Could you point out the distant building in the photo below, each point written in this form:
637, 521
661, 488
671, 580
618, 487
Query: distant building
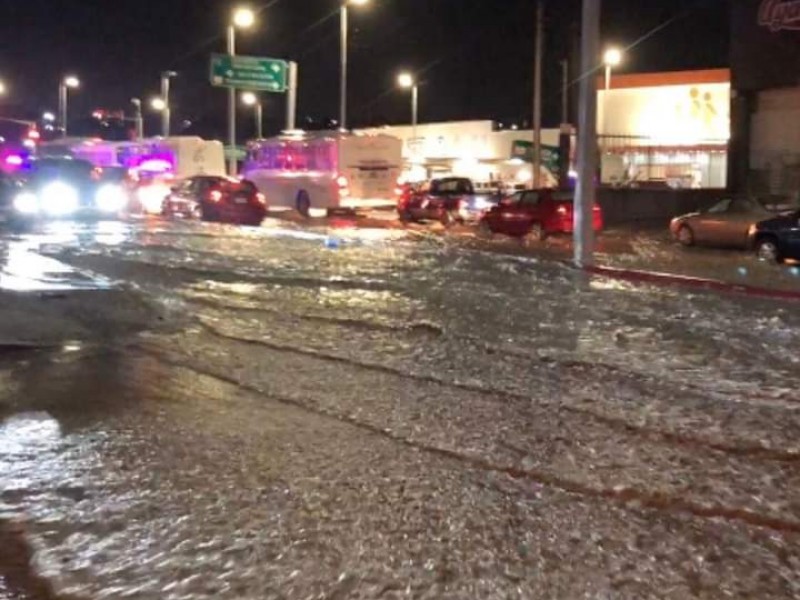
662, 129
474, 149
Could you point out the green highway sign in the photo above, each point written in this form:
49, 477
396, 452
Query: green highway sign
249, 73
523, 149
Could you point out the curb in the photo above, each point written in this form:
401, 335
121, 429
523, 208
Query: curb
712, 285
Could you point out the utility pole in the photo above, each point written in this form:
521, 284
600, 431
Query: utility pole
291, 97
537, 97
564, 91
587, 135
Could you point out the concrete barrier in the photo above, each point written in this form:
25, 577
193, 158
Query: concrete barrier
654, 207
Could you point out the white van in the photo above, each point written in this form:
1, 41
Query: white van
322, 171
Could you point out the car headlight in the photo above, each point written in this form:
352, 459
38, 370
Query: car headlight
152, 197
110, 198
59, 199
26, 203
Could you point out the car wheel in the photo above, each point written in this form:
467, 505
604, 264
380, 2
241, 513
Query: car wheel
447, 219
767, 251
197, 212
303, 204
404, 216
536, 234
686, 236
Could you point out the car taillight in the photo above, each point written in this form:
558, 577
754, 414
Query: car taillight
215, 195
563, 211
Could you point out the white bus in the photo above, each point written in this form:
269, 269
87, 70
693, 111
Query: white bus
318, 172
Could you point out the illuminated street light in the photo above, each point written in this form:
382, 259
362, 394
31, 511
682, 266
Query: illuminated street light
49, 117
243, 18
345, 24
252, 99
68, 83
612, 58
158, 104
2, 88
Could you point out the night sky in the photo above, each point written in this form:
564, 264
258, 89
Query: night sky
474, 56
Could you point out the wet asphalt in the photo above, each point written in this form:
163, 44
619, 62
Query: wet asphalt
300, 412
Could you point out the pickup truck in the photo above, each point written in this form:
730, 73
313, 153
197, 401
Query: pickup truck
450, 200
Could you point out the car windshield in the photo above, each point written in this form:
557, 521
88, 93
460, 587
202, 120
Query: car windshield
72, 170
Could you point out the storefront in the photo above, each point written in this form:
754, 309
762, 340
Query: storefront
666, 129
765, 61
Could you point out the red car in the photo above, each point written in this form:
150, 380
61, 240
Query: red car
219, 199
536, 214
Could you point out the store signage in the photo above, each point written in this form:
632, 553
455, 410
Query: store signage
780, 15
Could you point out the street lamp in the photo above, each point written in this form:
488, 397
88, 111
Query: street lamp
345, 24
407, 82
243, 18
69, 82
612, 58
2, 88
158, 104
252, 99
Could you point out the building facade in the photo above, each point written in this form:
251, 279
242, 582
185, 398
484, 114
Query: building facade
765, 62
665, 129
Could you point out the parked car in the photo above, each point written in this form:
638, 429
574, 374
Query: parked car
219, 199
449, 200
727, 224
534, 214
777, 239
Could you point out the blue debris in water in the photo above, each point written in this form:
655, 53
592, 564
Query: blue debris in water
743, 271
795, 271
333, 243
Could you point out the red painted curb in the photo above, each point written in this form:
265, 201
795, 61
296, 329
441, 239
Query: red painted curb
714, 285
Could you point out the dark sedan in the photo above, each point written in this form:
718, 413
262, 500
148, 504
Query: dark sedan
778, 239
220, 199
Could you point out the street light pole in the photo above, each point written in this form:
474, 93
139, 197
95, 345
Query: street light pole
537, 98
138, 118
166, 114
344, 21
252, 99
62, 107
291, 97
63, 98
587, 136
343, 67
232, 164
409, 82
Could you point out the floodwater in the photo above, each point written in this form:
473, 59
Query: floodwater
380, 414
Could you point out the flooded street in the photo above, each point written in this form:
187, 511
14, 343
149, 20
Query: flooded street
200, 411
